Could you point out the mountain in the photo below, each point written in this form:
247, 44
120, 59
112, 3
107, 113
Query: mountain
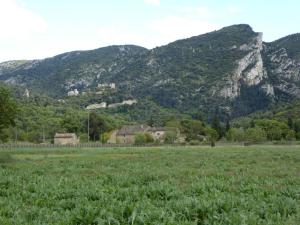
230, 71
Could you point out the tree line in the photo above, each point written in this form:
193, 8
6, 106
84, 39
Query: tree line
37, 121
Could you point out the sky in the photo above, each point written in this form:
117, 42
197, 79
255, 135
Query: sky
35, 29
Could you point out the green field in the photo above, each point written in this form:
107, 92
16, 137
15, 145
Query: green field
182, 185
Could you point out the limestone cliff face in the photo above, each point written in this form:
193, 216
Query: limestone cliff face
269, 66
284, 71
249, 70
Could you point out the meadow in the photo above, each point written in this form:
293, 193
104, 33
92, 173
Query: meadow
159, 185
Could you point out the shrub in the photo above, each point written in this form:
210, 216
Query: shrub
83, 138
195, 142
105, 137
140, 139
170, 137
235, 134
291, 135
149, 138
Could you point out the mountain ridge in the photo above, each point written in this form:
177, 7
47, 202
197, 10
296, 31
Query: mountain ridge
231, 70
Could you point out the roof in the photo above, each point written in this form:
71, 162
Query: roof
154, 129
65, 135
133, 129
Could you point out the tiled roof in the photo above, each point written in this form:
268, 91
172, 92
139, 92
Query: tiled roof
133, 129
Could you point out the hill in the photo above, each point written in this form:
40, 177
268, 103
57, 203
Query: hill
230, 71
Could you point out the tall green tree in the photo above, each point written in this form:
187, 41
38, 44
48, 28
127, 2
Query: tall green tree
212, 135
8, 110
71, 122
216, 125
227, 128
99, 124
290, 123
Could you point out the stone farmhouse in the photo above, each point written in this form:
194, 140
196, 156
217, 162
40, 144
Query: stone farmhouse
127, 133
66, 139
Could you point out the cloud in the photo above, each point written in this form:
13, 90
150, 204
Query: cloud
152, 2
17, 22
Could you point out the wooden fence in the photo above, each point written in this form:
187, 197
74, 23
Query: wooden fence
82, 145
100, 145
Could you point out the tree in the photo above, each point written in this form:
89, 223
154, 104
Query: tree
193, 129
255, 134
216, 125
275, 130
297, 129
212, 135
252, 124
290, 123
151, 121
8, 110
227, 128
71, 122
291, 135
98, 125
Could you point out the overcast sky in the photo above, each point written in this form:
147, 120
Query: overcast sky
31, 29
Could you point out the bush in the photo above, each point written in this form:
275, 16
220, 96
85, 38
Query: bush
170, 137
105, 137
83, 138
140, 139
235, 134
195, 142
149, 138
291, 135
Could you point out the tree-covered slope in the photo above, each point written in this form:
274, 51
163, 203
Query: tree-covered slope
229, 71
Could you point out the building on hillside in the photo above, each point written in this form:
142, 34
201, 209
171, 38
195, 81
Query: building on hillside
66, 139
126, 135
107, 86
102, 105
73, 93
26, 93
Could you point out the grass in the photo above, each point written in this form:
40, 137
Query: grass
183, 185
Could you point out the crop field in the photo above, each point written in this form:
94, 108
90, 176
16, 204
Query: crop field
160, 185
